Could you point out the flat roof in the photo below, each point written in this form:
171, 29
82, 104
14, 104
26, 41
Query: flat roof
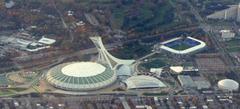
177, 69
186, 81
83, 69
47, 41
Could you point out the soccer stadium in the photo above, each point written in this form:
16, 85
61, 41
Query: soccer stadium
81, 76
182, 45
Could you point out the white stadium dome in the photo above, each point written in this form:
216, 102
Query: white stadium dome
143, 81
79, 76
228, 84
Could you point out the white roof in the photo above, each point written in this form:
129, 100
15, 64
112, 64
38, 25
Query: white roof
83, 69
156, 70
143, 81
177, 69
186, 51
223, 31
124, 70
228, 84
47, 41
9, 4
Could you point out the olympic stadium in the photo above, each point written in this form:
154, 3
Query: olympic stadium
81, 76
88, 76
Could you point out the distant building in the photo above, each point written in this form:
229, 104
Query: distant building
9, 4
227, 35
202, 84
47, 41
144, 82
228, 85
157, 71
186, 70
176, 69
186, 81
232, 13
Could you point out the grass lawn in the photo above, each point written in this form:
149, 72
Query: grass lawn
131, 50
6, 92
141, 16
181, 47
234, 49
118, 17
154, 64
233, 45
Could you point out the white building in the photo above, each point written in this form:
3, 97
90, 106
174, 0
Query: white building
47, 41
9, 4
228, 85
232, 13
227, 35
157, 71
176, 69
144, 82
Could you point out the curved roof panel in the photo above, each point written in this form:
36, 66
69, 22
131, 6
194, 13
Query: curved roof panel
228, 84
143, 81
124, 70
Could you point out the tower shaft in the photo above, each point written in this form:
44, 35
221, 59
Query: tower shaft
105, 57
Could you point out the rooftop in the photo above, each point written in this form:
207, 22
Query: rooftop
83, 69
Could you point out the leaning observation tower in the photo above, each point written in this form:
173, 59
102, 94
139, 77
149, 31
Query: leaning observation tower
105, 57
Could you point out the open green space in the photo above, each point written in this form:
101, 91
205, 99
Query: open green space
233, 45
234, 42
6, 92
3, 80
142, 16
157, 63
17, 89
132, 50
181, 46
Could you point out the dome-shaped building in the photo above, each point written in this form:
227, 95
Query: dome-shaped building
81, 76
228, 85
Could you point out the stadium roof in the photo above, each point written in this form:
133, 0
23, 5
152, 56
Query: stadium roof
83, 69
228, 84
142, 81
81, 76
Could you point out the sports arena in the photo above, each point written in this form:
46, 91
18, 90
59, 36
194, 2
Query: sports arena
81, 76
182, 45
86, 76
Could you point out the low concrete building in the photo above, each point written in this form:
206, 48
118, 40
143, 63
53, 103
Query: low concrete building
47, 41
186, 81
201, 84
227, 35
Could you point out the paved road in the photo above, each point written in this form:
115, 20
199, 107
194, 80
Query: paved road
63, 21
218, 45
